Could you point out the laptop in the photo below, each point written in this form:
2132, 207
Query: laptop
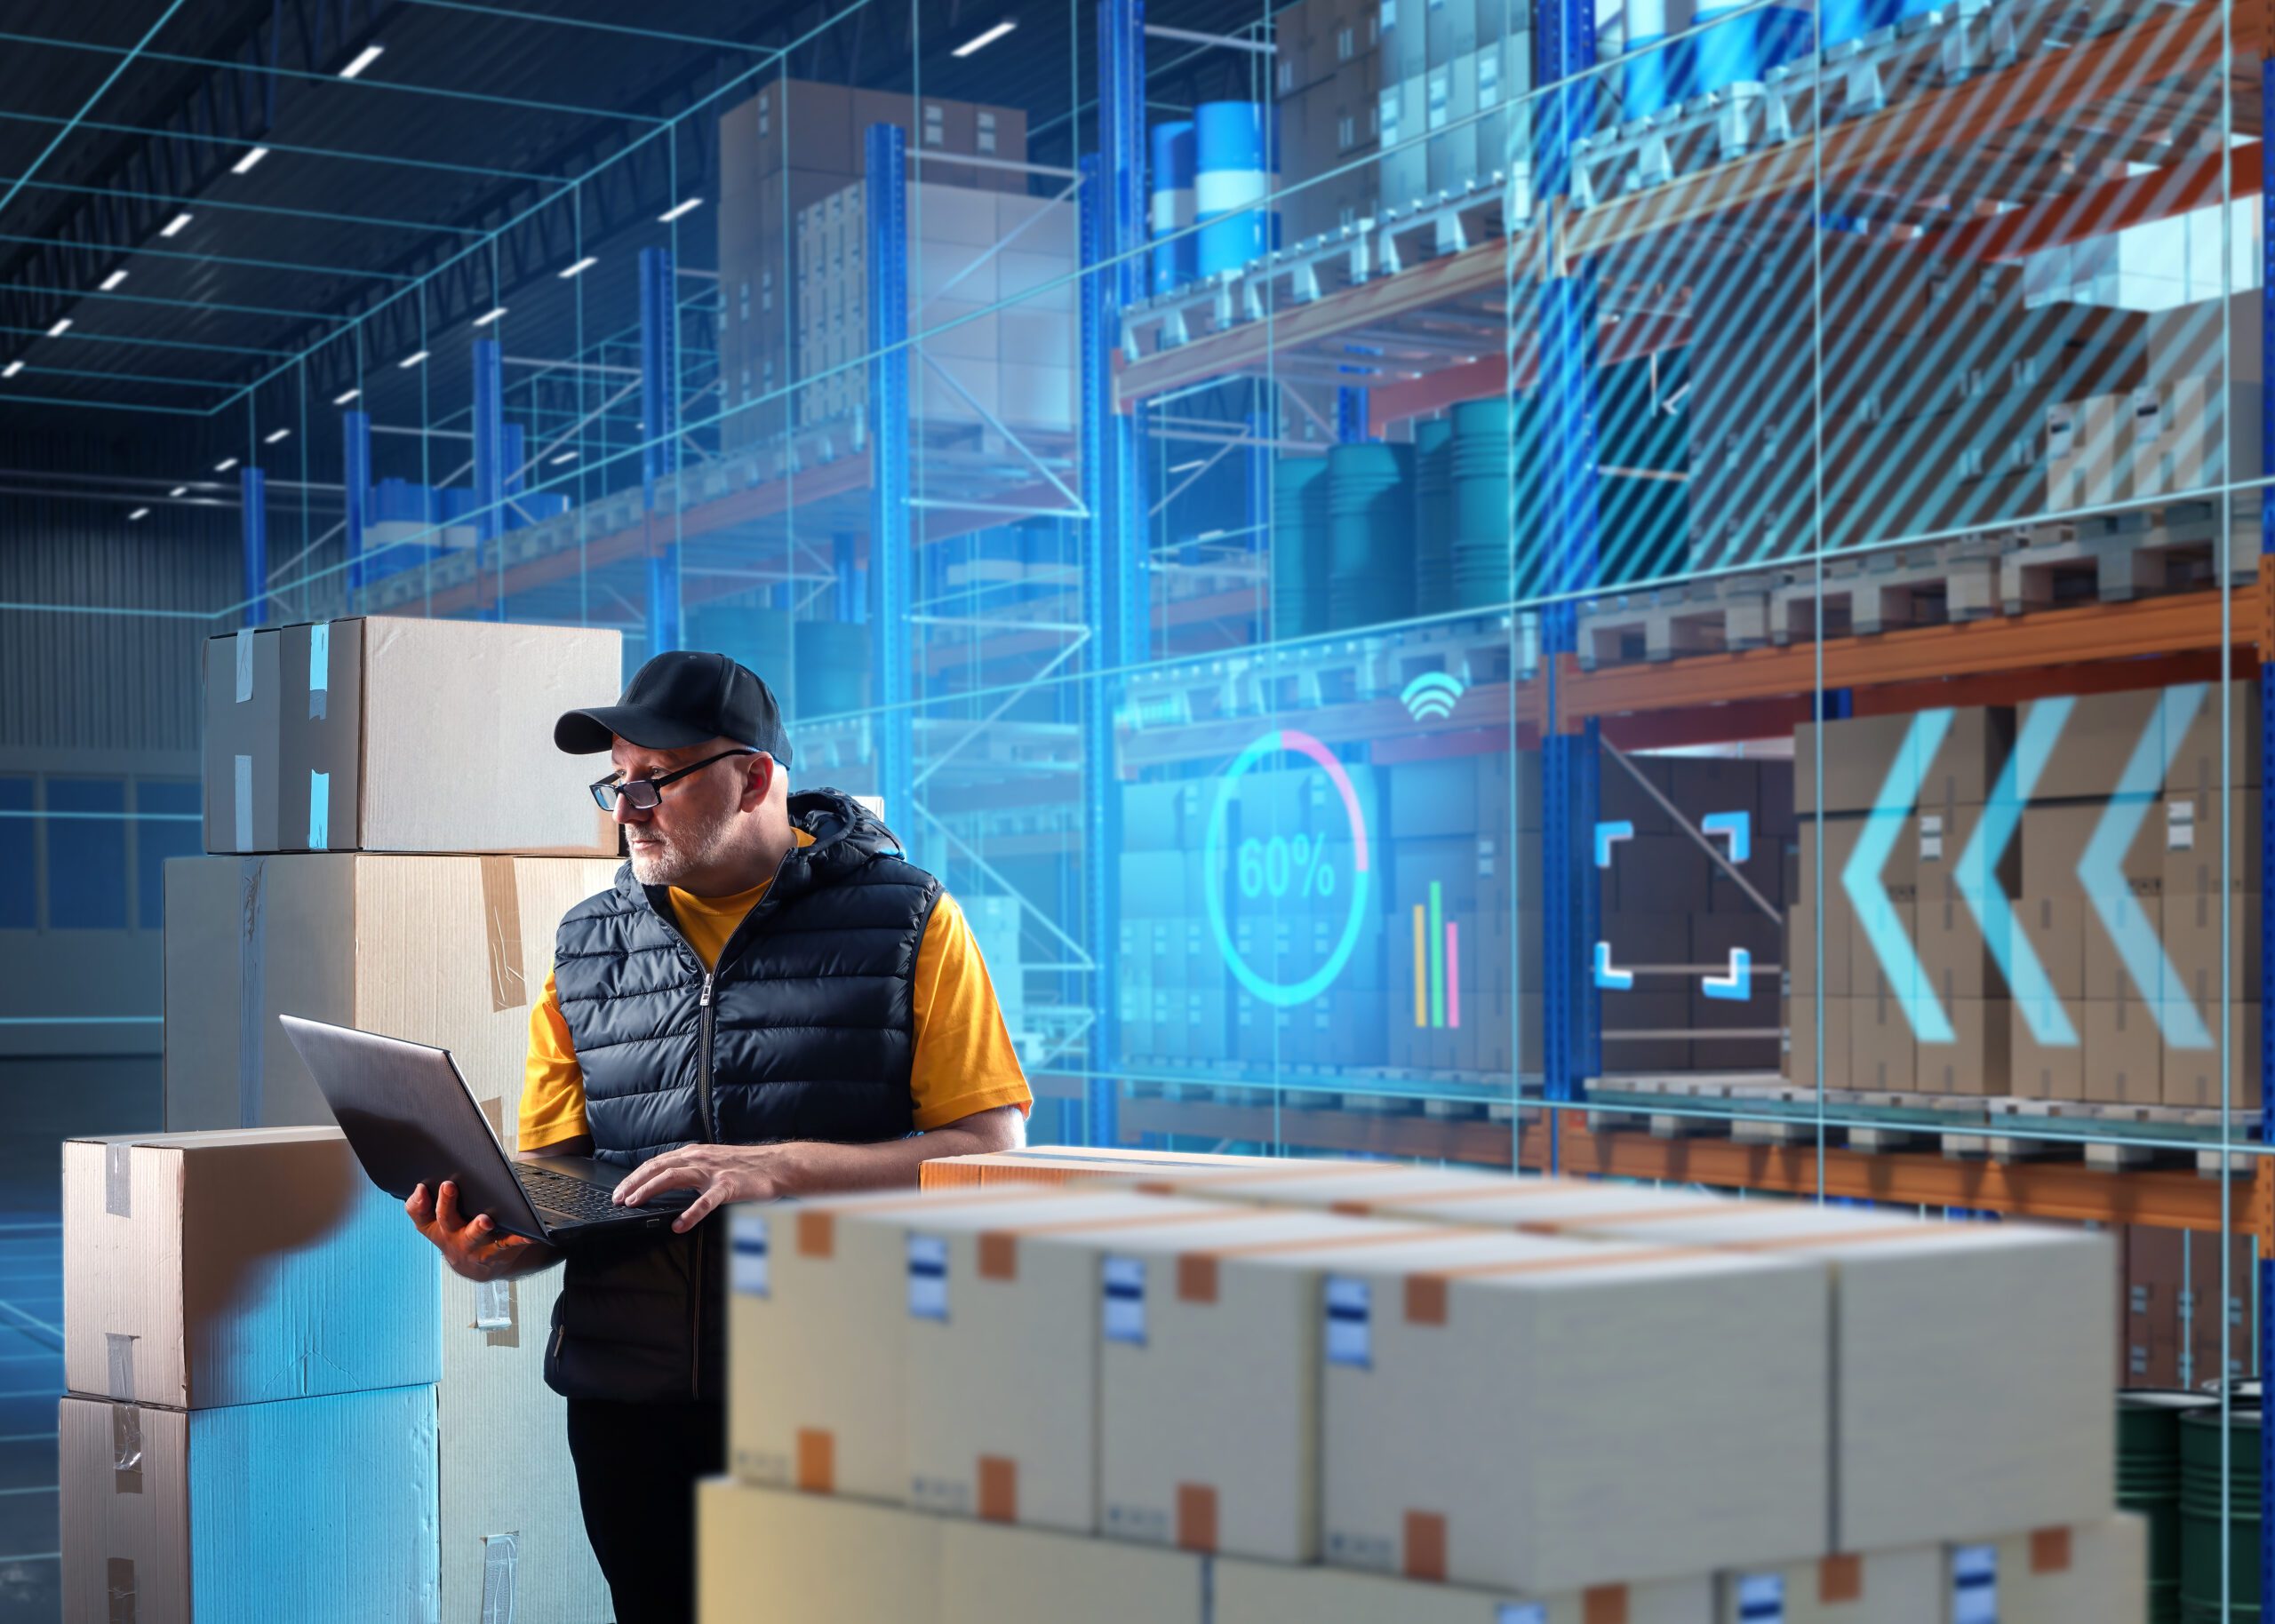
411, 1120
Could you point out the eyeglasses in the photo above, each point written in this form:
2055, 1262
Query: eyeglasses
646, 794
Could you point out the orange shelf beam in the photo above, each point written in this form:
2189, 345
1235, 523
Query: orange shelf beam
2021, 645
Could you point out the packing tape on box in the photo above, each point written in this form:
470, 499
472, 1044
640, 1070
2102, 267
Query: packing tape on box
319, 669
501, 1561
119, 1180
319, 810
119, 1351
244, 664
252, 999
125, 1449
118, 1586
493, 1305
501, 913
241, 787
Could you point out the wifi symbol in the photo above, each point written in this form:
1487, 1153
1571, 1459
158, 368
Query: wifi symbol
1432, 695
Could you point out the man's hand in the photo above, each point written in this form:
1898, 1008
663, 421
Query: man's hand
721, 1172
476, 1249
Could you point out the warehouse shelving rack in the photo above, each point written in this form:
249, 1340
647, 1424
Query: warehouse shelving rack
1326, 308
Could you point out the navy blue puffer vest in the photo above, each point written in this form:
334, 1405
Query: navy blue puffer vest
805, 1030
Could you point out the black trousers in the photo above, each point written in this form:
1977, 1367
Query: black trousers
636, 1467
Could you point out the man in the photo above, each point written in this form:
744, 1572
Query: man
771, 1001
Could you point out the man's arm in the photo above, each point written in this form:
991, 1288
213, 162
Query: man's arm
475, 1248
725, 1173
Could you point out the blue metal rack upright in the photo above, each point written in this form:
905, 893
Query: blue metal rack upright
1560, 469
885, 204
1116, 586
2266, 988
252, 490
491, 472
659, 440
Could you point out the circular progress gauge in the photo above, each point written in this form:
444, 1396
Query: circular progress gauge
1276, 866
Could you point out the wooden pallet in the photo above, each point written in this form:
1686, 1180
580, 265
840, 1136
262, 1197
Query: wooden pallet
2116, 559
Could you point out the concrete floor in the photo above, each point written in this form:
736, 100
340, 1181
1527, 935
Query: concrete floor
42, 1102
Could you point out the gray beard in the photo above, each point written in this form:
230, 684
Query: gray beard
678, 860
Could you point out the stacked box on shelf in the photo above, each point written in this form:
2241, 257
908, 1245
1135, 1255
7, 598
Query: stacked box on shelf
1453, 81
2132, 797
1912, 968
2189, 434
251, 1349
2170, 1311
355, 896
789, 148
989, 305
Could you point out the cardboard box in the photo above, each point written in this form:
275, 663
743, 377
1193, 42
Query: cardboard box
2052, 925
1883, 1053
1963, 926
1804, 1015
448, 951
2197, 947
513, 1528
1479, 1412
1972, 1362
2125, 948
2192, 1069
329, 737
2046, 1055
820, 1559
1976, 1060
2089, 1572
2202, 1320
1208, 1380
1881, 1586
2195, 824
204, 1269
992, 1574
1268, 1593
2096, 744
1943, 757
819, 1300
1004, 1295
1052, 1164
2153, 1327
2124, 1052
2055, 839
303, 1508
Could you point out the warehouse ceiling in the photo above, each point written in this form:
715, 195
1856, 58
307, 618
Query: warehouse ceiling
485, 148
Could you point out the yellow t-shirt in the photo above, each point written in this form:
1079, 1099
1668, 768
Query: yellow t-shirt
964, 1061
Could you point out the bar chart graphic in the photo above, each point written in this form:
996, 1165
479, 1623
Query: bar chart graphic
1437, 963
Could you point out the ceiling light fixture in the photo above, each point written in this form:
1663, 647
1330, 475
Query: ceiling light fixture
225, 465
580, 268
490, 315
1183, 468
342, 399
244, 165
173, 227
980, 41
140, 513
112, 280
281, 436
564, 456
676, 209
11, 369
413, 359
364, 59
179, 490
62, 326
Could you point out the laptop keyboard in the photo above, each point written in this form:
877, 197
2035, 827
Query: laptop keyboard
558, 1194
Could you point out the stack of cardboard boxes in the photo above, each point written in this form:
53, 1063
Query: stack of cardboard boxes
2030, 901
251, 1348
382, 789
991, 307
787, 148
1276, 1391
1361, 84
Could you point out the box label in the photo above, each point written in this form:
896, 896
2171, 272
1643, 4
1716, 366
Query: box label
1521, 1613
928, 1278
1124, 1308
1350, 1336
1761, 1598
1975, 1585
747, 1268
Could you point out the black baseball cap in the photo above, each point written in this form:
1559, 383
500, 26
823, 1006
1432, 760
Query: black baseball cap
680, 699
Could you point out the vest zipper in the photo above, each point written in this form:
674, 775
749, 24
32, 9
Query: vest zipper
706, 1018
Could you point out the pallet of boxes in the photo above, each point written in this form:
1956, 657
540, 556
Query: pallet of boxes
2036, 902
1280, 1392
392, 840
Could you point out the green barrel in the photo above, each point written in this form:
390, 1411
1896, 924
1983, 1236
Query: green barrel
1433, 517
1298, 546
1371, 533
1481, 575
2202, 1516
2148, 1481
